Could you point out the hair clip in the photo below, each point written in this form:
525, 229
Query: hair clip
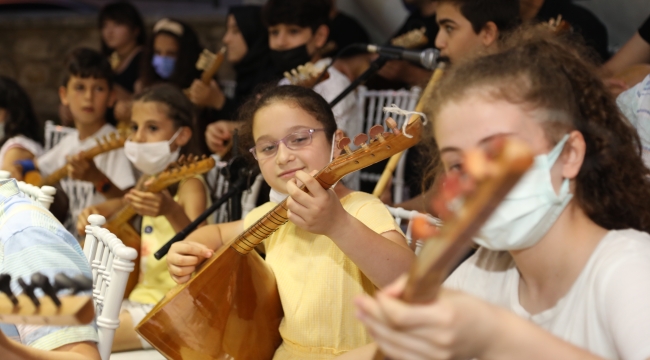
394, 109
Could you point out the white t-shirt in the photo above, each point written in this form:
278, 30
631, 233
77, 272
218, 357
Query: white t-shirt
22, 142
606, 311
635, 105
346, 112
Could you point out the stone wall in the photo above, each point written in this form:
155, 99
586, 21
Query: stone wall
33, 49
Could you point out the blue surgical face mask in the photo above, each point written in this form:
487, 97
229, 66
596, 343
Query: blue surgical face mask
530, 208
164, 65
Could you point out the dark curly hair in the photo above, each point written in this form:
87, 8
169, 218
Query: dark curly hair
21, 119
546, 72
306, 99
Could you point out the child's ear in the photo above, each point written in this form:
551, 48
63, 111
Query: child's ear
63, 95
489, 34
184, 137
321, 35
574, 151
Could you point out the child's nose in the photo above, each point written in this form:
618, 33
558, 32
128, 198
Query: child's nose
281, 41
440, 42
283, 155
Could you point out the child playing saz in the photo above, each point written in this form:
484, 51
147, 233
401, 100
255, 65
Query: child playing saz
563, 271
338, 243
161, 122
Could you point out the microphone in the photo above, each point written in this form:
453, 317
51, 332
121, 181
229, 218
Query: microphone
428, 58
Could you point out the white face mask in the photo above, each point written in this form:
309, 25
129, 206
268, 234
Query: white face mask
151, 158
278, 197
530, 208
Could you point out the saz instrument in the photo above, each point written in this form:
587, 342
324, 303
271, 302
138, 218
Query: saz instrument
307, 75
478, 191
412, 39
50, 309
119, 223
107, 143
209, 63
310, 74
394, 160
231, 308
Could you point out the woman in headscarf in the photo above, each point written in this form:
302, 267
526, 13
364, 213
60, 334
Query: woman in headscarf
246, 41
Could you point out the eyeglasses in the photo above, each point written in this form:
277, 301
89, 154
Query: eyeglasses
293, 141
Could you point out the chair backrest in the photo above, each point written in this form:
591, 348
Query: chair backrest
111, 264
43, 194
219, 185
371, 105
80, 196
54, 133
401, 214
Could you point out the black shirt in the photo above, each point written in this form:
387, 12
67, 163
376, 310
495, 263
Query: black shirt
644, 30
581, 20
128, 77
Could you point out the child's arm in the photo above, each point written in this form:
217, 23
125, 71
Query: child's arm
191, 203
9, 161
185, 256
381, 257
105, 209
458, 325
86, 170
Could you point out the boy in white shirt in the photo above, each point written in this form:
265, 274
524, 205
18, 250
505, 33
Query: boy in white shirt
87, 91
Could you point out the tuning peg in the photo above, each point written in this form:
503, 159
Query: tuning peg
41, 281
392, 125
360, 140
422, 229
344, 144
376, 133
77, 284
29, 291
5, 287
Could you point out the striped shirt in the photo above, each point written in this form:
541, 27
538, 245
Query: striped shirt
32, 240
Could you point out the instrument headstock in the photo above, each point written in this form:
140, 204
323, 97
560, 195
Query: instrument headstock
184, 168
371, 148
307, 75
558, 25
207, 58
112, 141
412, 39
50, 309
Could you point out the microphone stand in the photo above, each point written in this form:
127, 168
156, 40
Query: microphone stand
237, 187
374, 67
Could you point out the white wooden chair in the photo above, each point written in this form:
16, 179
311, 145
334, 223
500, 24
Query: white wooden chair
401, 215
43, 194
219, 184
54, 133
111, 264
371, 105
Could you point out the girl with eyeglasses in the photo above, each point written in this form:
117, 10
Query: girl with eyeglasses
337, 244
